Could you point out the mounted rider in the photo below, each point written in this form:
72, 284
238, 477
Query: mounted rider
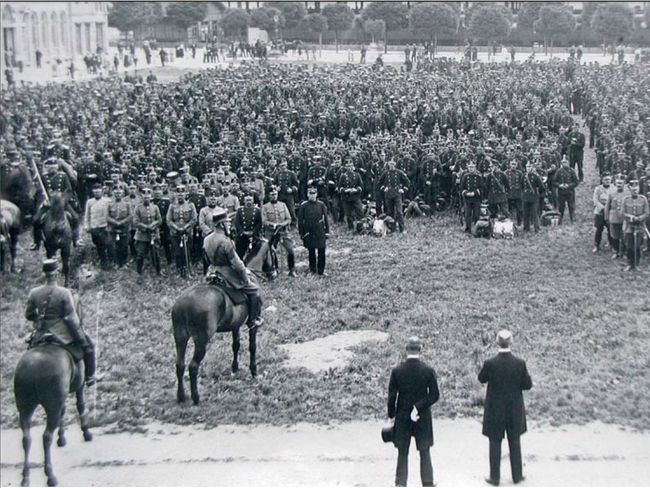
225, 265
53, 309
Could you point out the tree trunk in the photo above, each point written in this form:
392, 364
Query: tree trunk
336, 40
386, 41
320, 44
551, 47
372, 35
435, 45
545, 46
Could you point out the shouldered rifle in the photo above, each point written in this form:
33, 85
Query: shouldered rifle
37, 173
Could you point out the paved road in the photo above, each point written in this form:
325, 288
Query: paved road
345, 454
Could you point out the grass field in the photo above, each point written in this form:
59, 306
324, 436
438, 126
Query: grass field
580, 321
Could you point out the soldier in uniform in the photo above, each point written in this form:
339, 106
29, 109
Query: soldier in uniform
199, 202
317, 176
515, 183
429, 179
119, 226
471, 185
576, 150
287, 183
497, 188
54, 181
314, 229
276, 218
248, 226
181, 217
350, 186
163, 204
147, 220
53, 310
565, 181
220, 252
635, 211
393, 183
532, 188
229, 201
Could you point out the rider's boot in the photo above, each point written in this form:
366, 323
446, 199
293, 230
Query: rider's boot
254, 310
291, 261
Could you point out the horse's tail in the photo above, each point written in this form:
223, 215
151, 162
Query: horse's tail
43, 377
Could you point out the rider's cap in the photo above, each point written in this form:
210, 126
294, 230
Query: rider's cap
50, 265
219, 216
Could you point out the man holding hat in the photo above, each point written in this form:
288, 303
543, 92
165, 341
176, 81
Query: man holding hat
224, 261
412, 389
53, 309
506, 376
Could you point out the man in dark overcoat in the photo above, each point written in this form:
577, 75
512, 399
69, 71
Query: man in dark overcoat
314, 229
506, 376
412, 389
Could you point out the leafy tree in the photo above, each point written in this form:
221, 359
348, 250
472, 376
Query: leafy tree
316, 23
293, 12
267, 18
234, 22
613, 21
491, 22
554, 20
129, 16
376, 28
186, 14
434, 19
394, 15
339, 18
529, 13
588, 11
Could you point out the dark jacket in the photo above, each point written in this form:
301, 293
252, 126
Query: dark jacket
313, 224
506, 376
412, 383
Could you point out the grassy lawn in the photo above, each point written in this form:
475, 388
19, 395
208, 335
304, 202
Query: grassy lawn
580, 321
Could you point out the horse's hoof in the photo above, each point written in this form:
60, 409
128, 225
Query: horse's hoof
195, 399
88, 436
24, 482
180, 398
61, 442
52, 481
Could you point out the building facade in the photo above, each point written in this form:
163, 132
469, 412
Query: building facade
63, 30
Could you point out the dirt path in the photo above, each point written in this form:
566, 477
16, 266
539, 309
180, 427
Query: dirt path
346, 454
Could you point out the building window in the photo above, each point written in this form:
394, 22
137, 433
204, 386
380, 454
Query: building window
55, 30
35, 41
78, 44
44, 30
64, 31
99, 30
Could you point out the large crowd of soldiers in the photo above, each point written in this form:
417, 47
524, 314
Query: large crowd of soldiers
155, 161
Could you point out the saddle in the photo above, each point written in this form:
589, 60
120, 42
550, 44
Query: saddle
38, 339
237, 297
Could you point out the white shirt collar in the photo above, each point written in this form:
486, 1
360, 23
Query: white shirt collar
412, 356
504, 349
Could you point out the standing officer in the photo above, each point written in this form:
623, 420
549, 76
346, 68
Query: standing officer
287, 183
565, 181
317, 176
601, 192
350, 186
515, 184
614, 217
96, 223
497, 188
393, 183
314, 229
248, 225
635, 212
119, 220
576, 149
147, 220
181, 217
412, 389
506, 376
199, 201
276, 218
532, 189
471, 184
163, 204
53, 310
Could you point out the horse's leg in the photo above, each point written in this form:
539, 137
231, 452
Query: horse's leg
65, 258
53, 421
13, 250
25, 426
199, 354
61, 440
235, 351
83, 416
181, 339
252, 349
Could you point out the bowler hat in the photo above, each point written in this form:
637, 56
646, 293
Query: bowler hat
388, 434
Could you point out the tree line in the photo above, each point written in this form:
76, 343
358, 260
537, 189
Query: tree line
486, 23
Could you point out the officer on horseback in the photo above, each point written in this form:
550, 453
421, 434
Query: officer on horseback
53, 310
226, 264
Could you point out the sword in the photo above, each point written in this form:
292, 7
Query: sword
187, 256
40, 181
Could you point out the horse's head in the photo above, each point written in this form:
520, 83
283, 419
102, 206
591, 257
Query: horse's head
57, 206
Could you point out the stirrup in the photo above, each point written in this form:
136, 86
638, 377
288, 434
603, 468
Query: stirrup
257, 323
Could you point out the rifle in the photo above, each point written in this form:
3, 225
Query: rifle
40, 181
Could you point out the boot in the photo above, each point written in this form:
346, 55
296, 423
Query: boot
254, 310
89, 364
291, 261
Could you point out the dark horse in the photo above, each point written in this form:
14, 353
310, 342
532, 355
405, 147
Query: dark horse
204, 309
10, 227
57, 233
44, 376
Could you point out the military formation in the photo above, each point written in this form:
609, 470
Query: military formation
144, 168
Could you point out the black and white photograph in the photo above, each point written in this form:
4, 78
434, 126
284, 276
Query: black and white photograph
305, 243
